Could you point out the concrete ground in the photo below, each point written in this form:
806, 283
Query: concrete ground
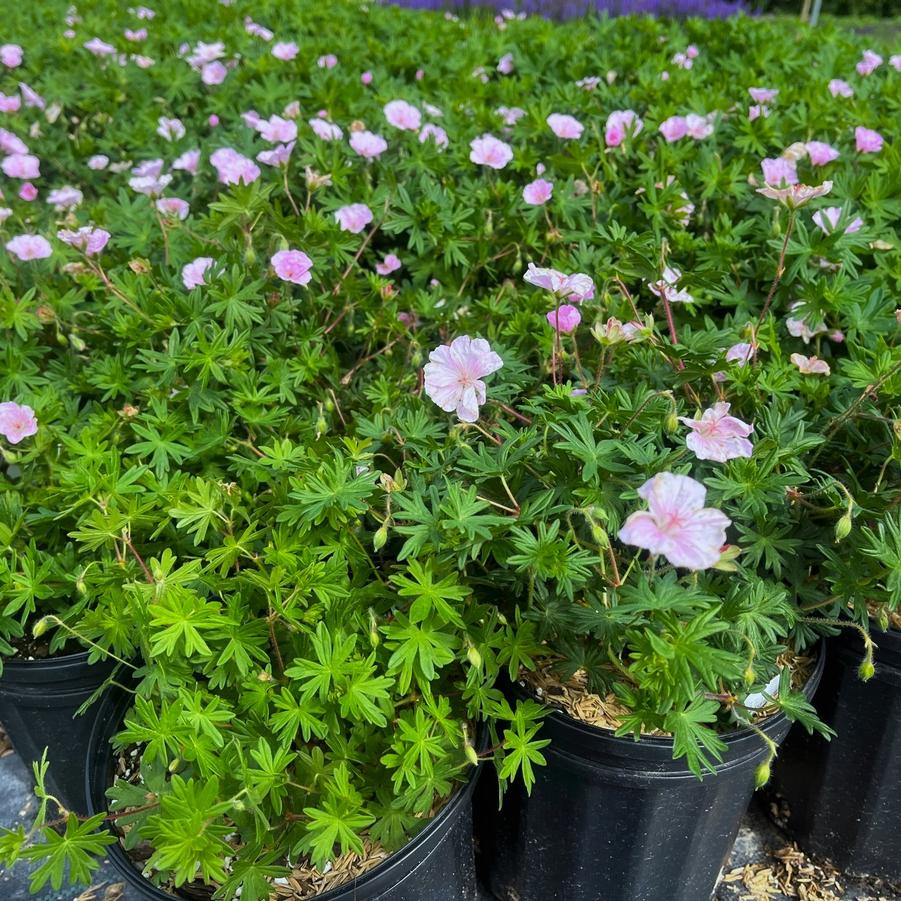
764, 865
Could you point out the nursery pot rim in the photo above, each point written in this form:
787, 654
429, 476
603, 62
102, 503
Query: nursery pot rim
23, 668
654, 743
99, 757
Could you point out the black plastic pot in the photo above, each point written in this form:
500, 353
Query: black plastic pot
842, 797
437, 865
613, 819
38, 704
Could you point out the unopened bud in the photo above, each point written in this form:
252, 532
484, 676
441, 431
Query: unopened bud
843, 527
762, 774
76, 343
600, 536
374, 637
749, 675
474, 657
263, 676
883, 620
866, 670
175, 765
380, 537
250, 255
671, 423
41, 626
471, 755
238, 804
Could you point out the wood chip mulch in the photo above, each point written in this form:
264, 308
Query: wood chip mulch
789, 873
5, 747
308, 882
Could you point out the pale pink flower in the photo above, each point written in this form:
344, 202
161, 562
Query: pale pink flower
510, 114
328, 61
292, 266
17, 421
205, 53
620, 125
756, 111
99, 48
11, 143
11, 55
170, 129
549, 279
895, 62
257, 30
810, 365
691, 51
367, 144
565, 318
151, 185
354, 217
187, 162
29, 247
148, 168
698, 127
489, 151
589, 83
564, 126
740, 353
213, 73
390, 264
277, 130
867, 140
366, 77
682, 60
89, 239
869, 63
840, 88
213, 120
173, 207
820, 154
5, 213
143, 12
718, 436
505, 64
779, 171
763, 95
10, 104
676, 523
292, 110
326, 131
577, 287
794, 196
21, 165
279, 155
28, 192
98, 161
403, 115
673, 129
434, 133
135, 34
538, 192
827, 219
142, 62
798, 327
193, 275
233, 167
65, 198
453, 375
285, 50
668, 288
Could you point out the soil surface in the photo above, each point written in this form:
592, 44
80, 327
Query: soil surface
764, 865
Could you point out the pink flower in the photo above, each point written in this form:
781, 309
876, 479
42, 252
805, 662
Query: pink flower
673, 129
810, 365
798, 327
28, 192
187, 162
538, 192
21, 165
740, 353
366, 77
65, 198
668, 286
827, 219
489, 151
135, 34
326, 131
292, 266
151, 185
390, 264
11, 143
620, 125
454, 372
563, 126
510, 114
717, 435
794, 196
763, 95
170, 129
354, 217
676, 523
173, 207
17, 421
867, 140
31, 98
869, 63
89, 239
233, 167
565, 318
756, 111
895, 62
213, 73
257, 30
698, 127
11, 55
779, 171
576, 287
434, 133
193, 274
367, 144
277, 130
213, 120
840, 88
29, 247
285, 50
99, 48
505, 64
9, 104
820, 154
403, 115
549, 279
277, 156
98, 162
329, 61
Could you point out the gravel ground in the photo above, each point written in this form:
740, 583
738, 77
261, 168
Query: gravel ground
764, 865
